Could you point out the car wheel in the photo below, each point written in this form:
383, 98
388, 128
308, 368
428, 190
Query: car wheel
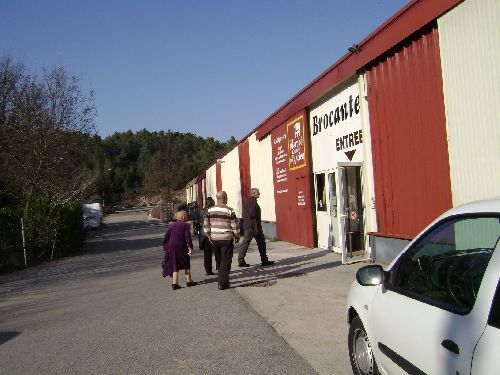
360, 350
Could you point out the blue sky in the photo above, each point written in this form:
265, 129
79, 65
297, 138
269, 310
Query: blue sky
214, 68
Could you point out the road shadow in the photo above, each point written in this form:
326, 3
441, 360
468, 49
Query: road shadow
127, 228
107, 246
117, 248
125, 246
285, 268
257, 275
6, 336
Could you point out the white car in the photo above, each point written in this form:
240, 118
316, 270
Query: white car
436, 309
92, 215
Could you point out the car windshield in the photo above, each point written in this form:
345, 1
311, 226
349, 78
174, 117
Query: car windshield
447, 265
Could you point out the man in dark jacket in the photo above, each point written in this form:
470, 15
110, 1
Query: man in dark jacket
253, 229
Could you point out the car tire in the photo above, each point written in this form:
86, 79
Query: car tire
360, 350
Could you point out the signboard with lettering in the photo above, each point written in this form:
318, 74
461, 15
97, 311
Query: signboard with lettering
288, 153
336, 130
280, 163
301, 198
296, 146
291, 177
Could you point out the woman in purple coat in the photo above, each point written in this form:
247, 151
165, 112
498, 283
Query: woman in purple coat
178, 247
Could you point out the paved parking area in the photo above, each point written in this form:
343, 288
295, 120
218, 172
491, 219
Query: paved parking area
303, 297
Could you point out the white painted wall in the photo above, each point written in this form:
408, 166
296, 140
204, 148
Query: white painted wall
469, 39
194, 192
211, 182
261, 174
368, 179
190, 196
231, 184
325, 155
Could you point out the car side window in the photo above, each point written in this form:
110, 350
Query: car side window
446, 266
494, 317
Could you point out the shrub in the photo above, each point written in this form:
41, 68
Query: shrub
54, 229
10, 239
51, 230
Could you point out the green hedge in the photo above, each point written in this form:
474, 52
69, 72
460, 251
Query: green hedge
10, 238
54, 227
71, 228
52, 230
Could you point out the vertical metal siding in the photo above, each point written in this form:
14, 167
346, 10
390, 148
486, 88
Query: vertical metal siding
245, 179
189, 191
211, 182
408, 20
200, 193
469, 38
230, 176
408, 130
292, 189
204, 191
368, 182
218, 176
194, 192
261, 174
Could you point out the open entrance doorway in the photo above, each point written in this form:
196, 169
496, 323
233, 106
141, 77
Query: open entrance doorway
352, 213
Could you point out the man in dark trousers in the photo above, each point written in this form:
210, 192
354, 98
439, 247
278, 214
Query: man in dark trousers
205, 243
252, 226
221, 227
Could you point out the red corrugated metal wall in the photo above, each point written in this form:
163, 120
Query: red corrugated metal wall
200, 193
405, 22
218, 177
205, 190
408, 129
245, 177
292, 186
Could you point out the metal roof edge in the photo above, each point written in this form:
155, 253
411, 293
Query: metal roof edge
419, 12
413, 16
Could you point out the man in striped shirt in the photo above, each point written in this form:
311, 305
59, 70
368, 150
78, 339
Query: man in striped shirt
222, 229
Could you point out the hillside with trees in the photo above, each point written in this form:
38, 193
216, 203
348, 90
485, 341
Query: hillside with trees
52, 161
153, 163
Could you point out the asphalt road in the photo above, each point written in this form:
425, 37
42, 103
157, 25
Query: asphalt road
109, 311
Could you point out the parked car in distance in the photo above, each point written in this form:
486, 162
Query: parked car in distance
92, 215
436, 308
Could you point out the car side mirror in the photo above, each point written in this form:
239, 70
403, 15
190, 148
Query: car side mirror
370, 275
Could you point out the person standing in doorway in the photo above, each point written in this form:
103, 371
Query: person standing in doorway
252, 226
221, 227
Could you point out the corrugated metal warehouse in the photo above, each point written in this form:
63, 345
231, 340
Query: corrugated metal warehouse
401, 128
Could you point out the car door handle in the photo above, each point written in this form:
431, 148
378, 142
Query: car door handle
451, 346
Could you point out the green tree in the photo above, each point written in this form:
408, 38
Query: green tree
156, 163
45, 133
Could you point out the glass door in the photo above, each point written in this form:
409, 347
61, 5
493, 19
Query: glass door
352, 213
334, 212
322, 215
